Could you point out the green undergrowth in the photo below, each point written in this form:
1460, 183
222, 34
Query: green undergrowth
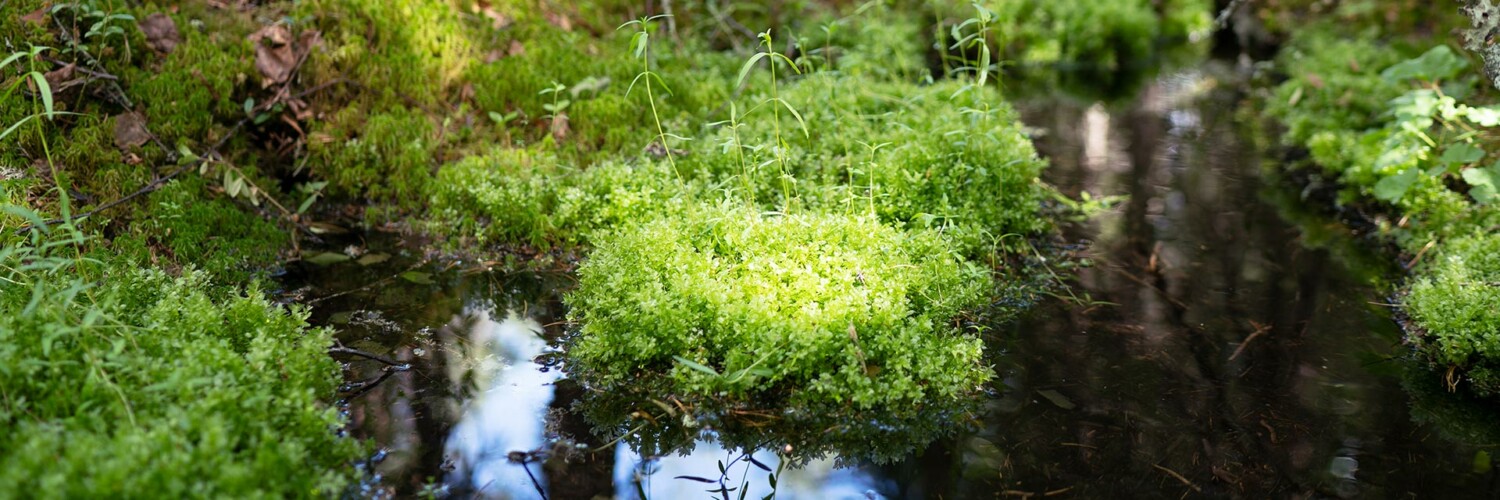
1405, 131
919, 156
119, 381
732, 312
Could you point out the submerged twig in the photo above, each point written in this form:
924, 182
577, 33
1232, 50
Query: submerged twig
395, 365
1179, 477
1259, 330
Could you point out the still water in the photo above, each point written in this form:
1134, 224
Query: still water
1233, 346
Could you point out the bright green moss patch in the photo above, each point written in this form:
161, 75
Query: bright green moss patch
1455, 302
918, 156
133, 383
814, 314
387, 157
528, 197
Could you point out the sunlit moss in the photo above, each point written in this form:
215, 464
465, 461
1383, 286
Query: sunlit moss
731, 313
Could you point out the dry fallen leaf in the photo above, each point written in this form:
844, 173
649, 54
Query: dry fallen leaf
559, 20
130, 130
560, 127
57, 77
36, 17
274, 56
161, 33
497, 20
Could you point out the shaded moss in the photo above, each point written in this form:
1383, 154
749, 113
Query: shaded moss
181, 225
387, 156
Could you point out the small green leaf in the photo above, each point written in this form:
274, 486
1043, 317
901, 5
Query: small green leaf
1484, 183
1394, 187
1461, 153
691, 364
745, 70
327, 258
1057, 398
419, 278
45, 90
371, 259
640, 41
1440, 63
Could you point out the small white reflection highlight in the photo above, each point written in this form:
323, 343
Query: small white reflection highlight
508, 413
818, 479
1096, 138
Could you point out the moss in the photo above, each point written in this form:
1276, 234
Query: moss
1380, 118
974, 189
388, 156
407, 52
184, 94
181, 225
133, 383
1454, 302
530, 197
807, 313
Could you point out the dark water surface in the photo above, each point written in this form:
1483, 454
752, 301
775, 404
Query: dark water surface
1228, 356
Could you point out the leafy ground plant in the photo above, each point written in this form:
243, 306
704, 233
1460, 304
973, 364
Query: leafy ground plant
1405, 132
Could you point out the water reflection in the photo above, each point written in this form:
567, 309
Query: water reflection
664, 477
507, 414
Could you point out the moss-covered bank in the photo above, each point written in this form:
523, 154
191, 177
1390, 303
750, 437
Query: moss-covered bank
1406, 130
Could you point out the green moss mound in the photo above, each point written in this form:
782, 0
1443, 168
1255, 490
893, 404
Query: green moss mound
1456, 302
801, 314
117, 381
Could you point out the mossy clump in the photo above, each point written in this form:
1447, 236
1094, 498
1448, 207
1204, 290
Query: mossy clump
732, 312
1455, 303
918, 156
524, 196
120, 381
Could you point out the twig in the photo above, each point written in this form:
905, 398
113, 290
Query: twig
413, 267
1179, 478
368, 386
1259, 330
1223, 19
96, 74
534, 482
396, 366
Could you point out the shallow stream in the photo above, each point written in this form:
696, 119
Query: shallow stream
1228, 348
